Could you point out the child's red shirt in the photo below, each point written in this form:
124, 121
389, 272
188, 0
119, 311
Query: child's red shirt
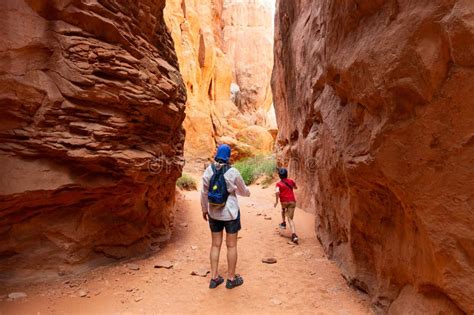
286, 194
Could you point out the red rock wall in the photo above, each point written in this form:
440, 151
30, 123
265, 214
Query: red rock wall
247, 29
91, 96
195, 27
215, 43
375, 105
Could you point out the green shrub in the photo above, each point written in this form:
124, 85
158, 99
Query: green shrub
253, 168
186, 182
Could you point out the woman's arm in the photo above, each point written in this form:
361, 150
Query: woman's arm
204, 192
241, 188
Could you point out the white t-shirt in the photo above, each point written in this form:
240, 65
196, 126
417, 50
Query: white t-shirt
235, 186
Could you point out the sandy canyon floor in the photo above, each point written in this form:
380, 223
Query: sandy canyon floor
302, 281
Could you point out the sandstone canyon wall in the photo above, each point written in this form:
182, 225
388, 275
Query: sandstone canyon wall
375, 105
248, 31
91, 100
228, 87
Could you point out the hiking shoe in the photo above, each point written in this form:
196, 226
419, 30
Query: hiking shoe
216, 282
294, 238
238, 280
283, 225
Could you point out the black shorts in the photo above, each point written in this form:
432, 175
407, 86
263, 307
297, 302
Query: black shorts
231, 227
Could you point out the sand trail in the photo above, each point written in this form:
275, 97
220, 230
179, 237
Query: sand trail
302, 281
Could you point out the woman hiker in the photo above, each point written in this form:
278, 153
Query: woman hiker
221, 183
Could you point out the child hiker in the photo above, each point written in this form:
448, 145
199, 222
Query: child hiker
284, 193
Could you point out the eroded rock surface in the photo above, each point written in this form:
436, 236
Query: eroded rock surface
228, 84
91, 132
375, 105
248, 41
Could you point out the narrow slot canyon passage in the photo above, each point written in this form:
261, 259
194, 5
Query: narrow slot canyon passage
112, 110
225, 55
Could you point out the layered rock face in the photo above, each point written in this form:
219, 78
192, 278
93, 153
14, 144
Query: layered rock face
91, 132
197, 45
375, 107
228, 87
248, 41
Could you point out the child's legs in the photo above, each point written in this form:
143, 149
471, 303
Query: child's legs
290, 212
283, 215
292, 226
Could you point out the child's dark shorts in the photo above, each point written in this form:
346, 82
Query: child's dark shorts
289, 208
231, 227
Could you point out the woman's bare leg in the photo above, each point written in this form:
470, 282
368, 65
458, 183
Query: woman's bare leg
231, 242
215, 252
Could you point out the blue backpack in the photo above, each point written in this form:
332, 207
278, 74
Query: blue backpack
218, 193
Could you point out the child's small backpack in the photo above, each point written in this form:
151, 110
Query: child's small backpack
218, 193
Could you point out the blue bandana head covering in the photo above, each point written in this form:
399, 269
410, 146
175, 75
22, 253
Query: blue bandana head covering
223, 153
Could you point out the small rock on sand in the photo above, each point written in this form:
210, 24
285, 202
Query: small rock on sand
194, 247
201, 272
269, 260
164, 264
155, 247
268, 218
17, 295
133, 267
184, 224
276, 301
75, 282
138, 299
82, 293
